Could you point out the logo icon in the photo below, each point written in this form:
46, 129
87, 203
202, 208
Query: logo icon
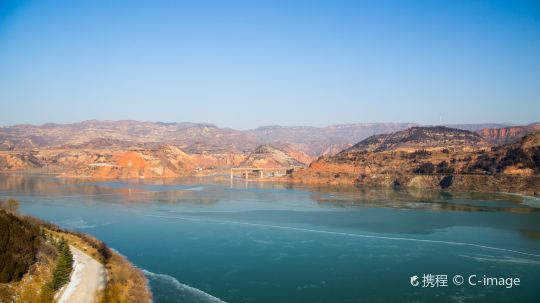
414, 280
458, 280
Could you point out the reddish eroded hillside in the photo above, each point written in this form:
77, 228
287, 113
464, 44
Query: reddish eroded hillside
507, 135
131, 159
167, 161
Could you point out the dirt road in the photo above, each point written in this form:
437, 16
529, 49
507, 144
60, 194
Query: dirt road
87, 279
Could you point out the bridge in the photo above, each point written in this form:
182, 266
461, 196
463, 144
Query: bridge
102, 165
274, 170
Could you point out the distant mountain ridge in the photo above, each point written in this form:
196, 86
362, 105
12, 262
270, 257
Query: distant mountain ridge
194, 137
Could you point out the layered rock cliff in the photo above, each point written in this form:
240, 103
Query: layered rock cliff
507, 135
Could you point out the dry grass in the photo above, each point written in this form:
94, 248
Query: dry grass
125, 284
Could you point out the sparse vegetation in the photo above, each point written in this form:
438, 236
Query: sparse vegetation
499, 160
517, 156
418, 154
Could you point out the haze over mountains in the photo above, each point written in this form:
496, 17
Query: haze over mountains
198, 137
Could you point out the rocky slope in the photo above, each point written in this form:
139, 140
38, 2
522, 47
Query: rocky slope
432, 157
505, 135
519, 158
417, 137
266, 156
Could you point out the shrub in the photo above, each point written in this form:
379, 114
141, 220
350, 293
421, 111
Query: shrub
19, 243
425, 168
446, 182
64, 266
444, 168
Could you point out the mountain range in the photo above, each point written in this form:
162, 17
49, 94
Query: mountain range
133, 149
198, 137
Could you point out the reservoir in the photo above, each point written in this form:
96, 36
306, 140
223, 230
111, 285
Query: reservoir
211, 240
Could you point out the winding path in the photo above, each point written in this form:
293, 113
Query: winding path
87, 279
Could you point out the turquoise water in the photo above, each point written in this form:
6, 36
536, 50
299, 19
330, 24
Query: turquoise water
200, 240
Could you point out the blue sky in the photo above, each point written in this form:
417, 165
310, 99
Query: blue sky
243, 64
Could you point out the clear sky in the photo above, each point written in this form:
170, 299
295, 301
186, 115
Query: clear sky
243, 64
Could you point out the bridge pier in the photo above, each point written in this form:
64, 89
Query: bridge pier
272, 172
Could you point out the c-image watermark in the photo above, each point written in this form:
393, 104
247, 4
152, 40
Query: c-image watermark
440, 280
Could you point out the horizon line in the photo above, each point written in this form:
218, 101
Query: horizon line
502, 124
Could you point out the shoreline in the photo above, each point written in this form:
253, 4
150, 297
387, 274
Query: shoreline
344, 180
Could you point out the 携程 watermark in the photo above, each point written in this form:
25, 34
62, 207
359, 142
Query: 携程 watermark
442, 280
